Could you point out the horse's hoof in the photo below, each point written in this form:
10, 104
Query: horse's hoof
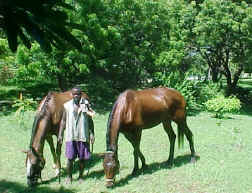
57, 172
109, 185
68, 181
135, 172
144, 167
80, 180
193, 160
169, 163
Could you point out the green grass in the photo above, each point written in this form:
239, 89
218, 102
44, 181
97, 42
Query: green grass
224, 147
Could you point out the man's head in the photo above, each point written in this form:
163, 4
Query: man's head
76, 92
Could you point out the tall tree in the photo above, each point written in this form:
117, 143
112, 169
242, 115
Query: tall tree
122, 41
221, 37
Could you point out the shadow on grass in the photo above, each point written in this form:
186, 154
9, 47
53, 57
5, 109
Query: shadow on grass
14, 187
246, 110
88, 173
154, 167
10, 94
193, 113
6, 111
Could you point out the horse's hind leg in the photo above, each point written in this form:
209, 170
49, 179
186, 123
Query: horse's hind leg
189, 135
56, 166
172, 137
134, 139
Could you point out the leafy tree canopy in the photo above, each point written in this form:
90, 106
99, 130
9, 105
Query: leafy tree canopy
42, 20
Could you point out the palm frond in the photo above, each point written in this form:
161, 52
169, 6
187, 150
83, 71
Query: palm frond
38, 18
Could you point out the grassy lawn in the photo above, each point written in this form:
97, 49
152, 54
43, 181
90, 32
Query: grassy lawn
224, 147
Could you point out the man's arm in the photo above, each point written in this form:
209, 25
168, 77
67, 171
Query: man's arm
62, 127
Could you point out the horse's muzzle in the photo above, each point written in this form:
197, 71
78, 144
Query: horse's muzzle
32, 181
109, 183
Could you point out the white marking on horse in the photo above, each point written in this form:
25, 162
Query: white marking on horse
57, 172
28, 167
42, 104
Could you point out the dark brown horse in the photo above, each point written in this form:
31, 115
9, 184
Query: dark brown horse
46, 124
137, 110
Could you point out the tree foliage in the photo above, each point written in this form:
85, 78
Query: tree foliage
122, 41
42, 20
222, 36
140, 43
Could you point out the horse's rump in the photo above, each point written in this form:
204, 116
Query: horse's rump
52, 105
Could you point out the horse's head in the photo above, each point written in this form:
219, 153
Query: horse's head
111, 167
34, 165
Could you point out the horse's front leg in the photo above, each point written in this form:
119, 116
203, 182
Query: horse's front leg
136, 166
58, 153
135, 138
49, 140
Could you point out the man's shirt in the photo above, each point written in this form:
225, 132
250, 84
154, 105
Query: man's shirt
77, 128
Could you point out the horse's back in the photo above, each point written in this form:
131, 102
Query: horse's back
158, 99
54, 104
149, 107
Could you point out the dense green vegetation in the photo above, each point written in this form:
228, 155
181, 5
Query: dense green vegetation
138, 43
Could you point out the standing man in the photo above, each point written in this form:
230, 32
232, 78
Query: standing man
78, 123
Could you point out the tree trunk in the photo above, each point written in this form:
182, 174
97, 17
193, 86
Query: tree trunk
215, 74
231, 85
62, 83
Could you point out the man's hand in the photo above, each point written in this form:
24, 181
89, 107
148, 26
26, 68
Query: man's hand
92, 139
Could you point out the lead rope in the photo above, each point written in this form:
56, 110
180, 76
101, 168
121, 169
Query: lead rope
91, 152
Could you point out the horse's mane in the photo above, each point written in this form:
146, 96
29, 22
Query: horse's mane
122, 99
39, 115
111, 115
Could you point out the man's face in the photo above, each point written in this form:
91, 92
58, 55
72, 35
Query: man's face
76, 96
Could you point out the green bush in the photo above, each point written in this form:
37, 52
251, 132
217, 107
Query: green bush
207, 91
221, 105
187, 88
21, 106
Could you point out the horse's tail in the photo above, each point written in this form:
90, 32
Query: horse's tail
180, 137
41, 111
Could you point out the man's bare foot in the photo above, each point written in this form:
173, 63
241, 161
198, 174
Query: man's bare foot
69, 180
80, 179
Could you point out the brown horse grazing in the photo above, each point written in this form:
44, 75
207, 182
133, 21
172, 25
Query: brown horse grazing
137, 110
46, 124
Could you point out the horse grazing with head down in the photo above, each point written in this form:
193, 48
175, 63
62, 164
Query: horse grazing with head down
134, 111
46, 124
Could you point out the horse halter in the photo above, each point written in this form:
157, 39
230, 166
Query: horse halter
36, 168
112, 166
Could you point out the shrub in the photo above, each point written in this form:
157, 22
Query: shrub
186, 87
221, 105
207, 91
21, 106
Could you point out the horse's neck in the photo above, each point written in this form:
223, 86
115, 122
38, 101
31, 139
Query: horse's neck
39, 140
113, 128
38, 145
112, 138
